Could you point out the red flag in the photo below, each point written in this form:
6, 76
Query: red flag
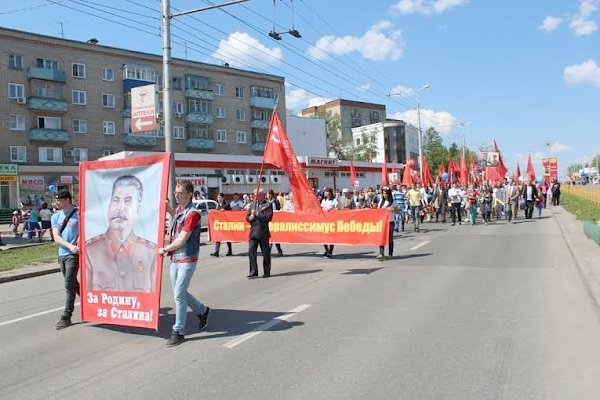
517, 174
530, 170
353, 179
473, 173
453, 168
502, 168
427, 178
463, 173
441, 170
385, 180
407, 174
279, 152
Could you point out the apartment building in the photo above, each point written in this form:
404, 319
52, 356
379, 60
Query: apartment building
352, 113
391, 137
65, 101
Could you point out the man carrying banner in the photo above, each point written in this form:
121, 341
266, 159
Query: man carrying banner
259, 215
119, 260
65, 231
184, 249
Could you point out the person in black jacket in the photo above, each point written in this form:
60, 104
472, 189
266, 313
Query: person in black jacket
259, 215
222, 205
276, 205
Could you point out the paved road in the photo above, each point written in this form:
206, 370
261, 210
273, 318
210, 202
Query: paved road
483, 312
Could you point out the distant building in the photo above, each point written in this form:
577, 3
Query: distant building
307, 135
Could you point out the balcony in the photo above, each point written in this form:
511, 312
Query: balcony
136, 139
199, 118
259, 124
258, 147
47, 104
199, 94
48, 135
200, 144
46, 74
262, 102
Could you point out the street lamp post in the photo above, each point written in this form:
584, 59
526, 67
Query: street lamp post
419, 131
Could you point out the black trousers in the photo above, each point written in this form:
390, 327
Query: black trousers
528, 209
456, 211
69, 266
390, 242
265, 249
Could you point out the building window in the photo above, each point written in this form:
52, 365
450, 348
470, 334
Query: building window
197, 82
79, 97
261, 91
78, 70
46, 63
220, 112
108, 74
199, 132
15, 61
241, 136
177, 82
239, 92
178, 108
179, 132
79, 126
49, 123
18, 154
240, 115
16, 122
261, 115
50, 154
108, 127
160, 132
199, 106
221, 135
108, 100
47, 89
80, 154
220, 89
139, 72
16, 90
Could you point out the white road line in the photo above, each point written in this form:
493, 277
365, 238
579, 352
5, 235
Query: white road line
12, 321
266, 326
420, 245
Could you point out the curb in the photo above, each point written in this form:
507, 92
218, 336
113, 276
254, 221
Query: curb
10, 276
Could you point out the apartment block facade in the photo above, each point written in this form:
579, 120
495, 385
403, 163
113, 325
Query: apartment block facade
63, 102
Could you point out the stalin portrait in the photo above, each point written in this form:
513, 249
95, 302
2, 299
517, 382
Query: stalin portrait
118, 260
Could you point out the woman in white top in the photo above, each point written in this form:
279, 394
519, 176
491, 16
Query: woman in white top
387, 201
329, 202
45, 216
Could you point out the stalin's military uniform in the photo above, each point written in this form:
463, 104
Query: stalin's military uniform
127, 266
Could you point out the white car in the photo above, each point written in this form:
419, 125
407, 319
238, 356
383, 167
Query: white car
204, 206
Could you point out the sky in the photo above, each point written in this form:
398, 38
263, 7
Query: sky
523, 73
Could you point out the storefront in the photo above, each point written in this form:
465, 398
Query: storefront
9, 174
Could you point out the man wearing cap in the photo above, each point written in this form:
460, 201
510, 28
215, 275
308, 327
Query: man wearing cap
118, 259
346, 202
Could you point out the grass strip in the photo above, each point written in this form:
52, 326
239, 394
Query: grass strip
27, 256
583, 209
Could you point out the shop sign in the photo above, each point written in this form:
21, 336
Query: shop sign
8, 178
32, 182
9, 169
321, 162
66, 179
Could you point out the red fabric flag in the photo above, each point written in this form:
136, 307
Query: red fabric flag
453, 169
407, 174
385, 179
502, 168
279, 153
530, 169
473, 172
427, 178
463, 173
441, 170
517, 174
353, 178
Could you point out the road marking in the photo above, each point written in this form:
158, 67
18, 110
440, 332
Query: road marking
12, 321
266, 326
419, 245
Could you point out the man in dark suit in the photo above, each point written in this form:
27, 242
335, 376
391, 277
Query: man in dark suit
259, 215
529, 194
223, 206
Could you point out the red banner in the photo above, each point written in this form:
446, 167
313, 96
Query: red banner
550, 169
355, 227
122, 224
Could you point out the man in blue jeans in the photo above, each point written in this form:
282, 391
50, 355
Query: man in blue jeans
184, 249
65, 230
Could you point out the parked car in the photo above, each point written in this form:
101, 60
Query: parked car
204, 206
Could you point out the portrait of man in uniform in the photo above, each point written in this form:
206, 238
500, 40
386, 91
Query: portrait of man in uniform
118, 259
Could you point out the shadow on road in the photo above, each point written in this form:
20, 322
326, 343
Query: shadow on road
292, 273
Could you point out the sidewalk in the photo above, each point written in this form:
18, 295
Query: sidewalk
10, 242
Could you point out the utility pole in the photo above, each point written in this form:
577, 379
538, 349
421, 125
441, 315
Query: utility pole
167, 115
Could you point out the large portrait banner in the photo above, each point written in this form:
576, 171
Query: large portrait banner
122, 222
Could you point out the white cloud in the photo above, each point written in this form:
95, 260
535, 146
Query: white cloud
551, 23
242, 50
364, 87
442, 121
558, 147
380, 42
402, 91
587, 72
581, 23
425, 7
300, 98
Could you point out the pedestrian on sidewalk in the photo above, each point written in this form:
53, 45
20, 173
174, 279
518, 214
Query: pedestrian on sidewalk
184, 249
65, 231
15, 222
45, 218
34, 224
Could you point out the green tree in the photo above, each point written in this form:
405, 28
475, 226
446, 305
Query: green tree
336, 143
454, 151
367, 149
434, 150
